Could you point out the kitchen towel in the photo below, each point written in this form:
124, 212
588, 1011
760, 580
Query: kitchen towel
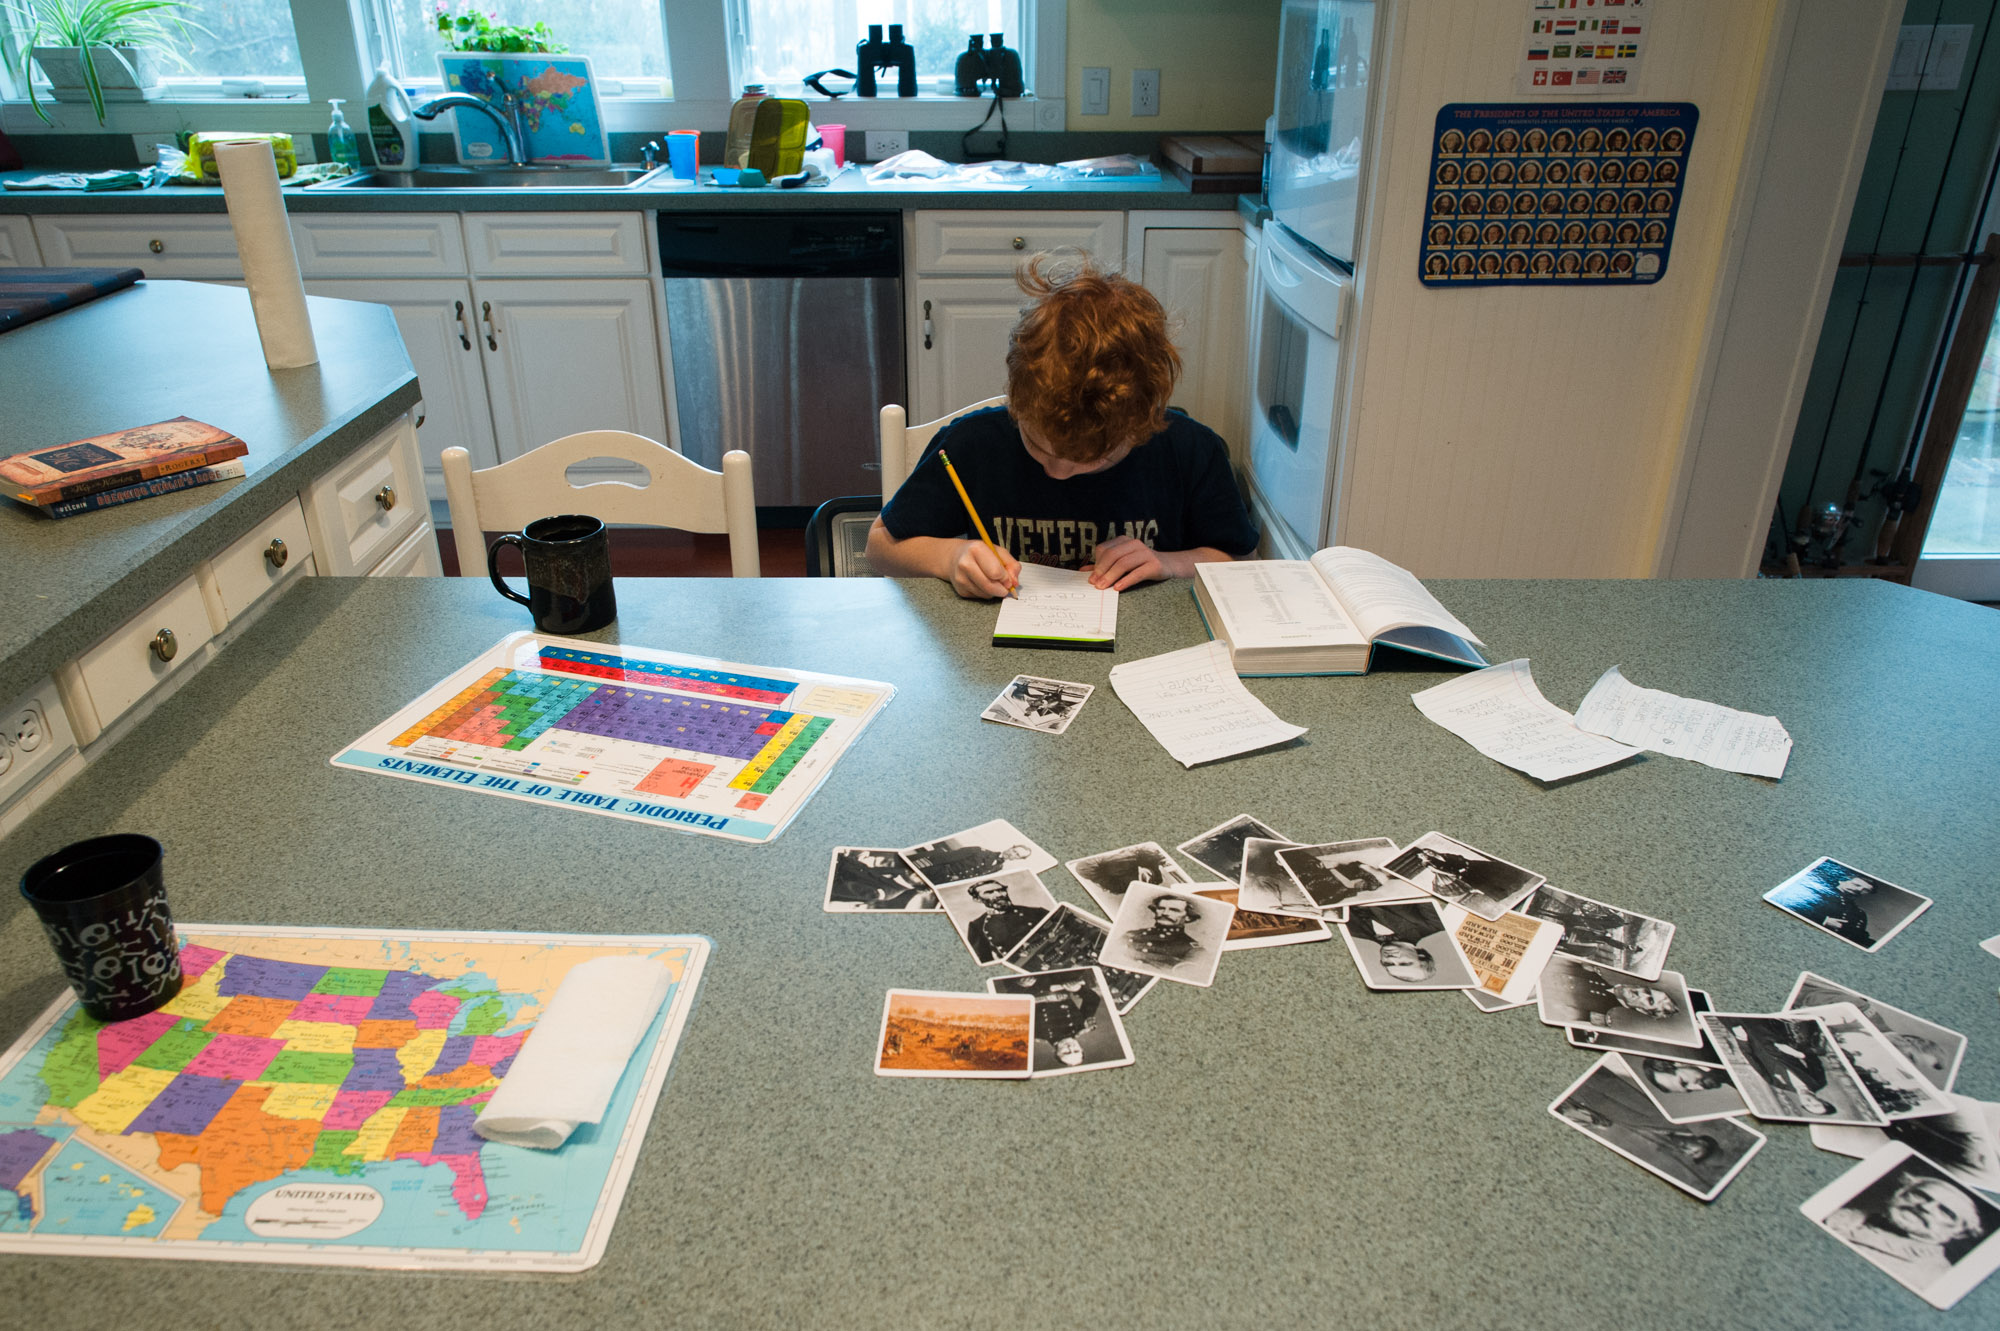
264, 242
571, 1062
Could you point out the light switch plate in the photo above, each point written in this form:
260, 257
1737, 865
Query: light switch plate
1145, 92
883, 143
1096, 91
1929, 57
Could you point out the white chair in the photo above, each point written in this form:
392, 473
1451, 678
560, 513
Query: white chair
679, 493
904, 444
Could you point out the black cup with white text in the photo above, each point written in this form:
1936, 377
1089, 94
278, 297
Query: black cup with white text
568, 562
103, 905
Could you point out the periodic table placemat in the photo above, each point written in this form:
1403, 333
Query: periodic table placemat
1563, 194
653, 737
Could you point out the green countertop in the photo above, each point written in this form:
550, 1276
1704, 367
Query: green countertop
1289, 1149
156, 350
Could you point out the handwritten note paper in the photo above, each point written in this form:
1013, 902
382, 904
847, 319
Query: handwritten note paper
1702, 732
1196, 707
1058, 605
1500, 712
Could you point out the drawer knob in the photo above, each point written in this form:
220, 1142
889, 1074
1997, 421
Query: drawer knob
164, 646
386, 497
1020, 242
160, 246
276, 552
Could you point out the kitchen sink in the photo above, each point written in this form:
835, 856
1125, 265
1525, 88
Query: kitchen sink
502, 177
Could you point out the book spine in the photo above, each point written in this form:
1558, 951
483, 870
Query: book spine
125, 494
55, 494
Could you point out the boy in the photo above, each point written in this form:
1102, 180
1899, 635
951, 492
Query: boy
1083, 468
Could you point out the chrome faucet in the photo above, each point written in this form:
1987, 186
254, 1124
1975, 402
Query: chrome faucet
503, 116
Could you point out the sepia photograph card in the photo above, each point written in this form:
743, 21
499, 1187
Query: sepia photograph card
1459, 875
1220, 849
931, 1034
977, 852
1339, 874
1033, 703
1507, 954
1577, 994
1607, 1105
1913, 1220
1854, 907
1686, 1092
1076, 1022
1934, 1050
1254, 928
1106, 875
1070, 939
1603, 934
1405, 946
1789, 1070
861, 878
995, 915
1266, 885
1174, 935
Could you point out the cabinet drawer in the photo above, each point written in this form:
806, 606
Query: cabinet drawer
366, 506
995, 244
391, 245
273, 551
556, 244
17, 244
164, 246
416, 557
125, 667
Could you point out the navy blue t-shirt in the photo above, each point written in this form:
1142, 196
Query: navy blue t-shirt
1173, 492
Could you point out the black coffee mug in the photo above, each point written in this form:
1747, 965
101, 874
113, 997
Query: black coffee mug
568, 560
103, 905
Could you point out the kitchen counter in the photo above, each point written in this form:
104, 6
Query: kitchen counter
849, 191
157, 350
1288, 1150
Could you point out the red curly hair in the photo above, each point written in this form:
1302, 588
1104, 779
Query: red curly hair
1089, 366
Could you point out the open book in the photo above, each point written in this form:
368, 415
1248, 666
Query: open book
1325, 615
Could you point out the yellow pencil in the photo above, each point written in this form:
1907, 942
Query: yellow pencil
977, 525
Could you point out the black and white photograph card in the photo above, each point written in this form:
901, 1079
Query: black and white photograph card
1965, 1140
1601, 934
1174, 935
1934, 1050
995, 915
1220, 849
977, 852
1486, 1002
1913, 1220
1076, 1022
1256, 928
1607, 1105
1266, 885
861, 878
1892, 1082
1577, 994
1612, 1042
1404, 946
1789, 1069
1071, 939
1847, 903
1033, 703
1454, 872
1338, 874
1106, 876
1686, 1092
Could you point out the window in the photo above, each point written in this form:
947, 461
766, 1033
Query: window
626, 40
782, 41
246, 39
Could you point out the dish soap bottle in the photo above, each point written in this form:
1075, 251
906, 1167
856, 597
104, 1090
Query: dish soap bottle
340, 145
742, 125
392, 130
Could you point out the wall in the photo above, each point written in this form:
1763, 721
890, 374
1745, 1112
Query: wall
1217, 61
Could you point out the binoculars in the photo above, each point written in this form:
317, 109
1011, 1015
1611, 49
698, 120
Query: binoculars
979, 71
874, 54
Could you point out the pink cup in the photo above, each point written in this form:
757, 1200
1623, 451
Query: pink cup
834, 139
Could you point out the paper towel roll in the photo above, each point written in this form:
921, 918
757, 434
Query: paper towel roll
570, 1063
264, 242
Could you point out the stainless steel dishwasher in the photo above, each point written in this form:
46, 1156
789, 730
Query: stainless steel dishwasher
787, 338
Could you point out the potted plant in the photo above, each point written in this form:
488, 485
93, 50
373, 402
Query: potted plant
99, 50
474, 30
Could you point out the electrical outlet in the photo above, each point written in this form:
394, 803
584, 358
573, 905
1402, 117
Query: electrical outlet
1145, 92
1096, 91
1049, 116
27, 730
886, 143
148, 148
34, 737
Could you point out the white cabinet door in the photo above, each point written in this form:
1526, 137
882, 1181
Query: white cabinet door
958, 341
569, 355
440, 328
1199, 276
17, 244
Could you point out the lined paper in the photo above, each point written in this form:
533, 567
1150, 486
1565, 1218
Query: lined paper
1193, 703
1058, 603
1500, 712
1702, 732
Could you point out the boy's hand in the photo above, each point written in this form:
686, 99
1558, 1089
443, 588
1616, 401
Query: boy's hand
1127, 561
977, 573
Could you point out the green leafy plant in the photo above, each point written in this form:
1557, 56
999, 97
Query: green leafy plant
474, 30
156, 24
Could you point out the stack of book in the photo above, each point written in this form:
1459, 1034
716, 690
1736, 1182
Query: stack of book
120, 467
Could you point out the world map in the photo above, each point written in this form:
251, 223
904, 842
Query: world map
355, 1063
557, 108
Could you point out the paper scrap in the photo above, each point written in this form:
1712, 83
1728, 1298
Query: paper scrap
1193, 703
1702, 732
1992, 945
1500, 712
